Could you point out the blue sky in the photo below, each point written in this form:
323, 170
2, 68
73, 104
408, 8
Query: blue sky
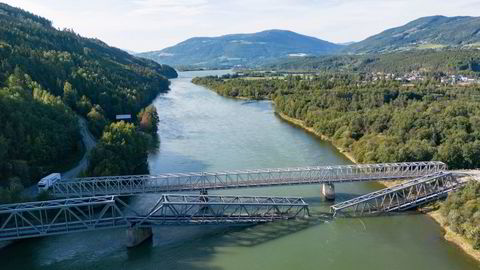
142, 25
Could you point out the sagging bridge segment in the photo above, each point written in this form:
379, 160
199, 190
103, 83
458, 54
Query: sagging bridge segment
182, 182
404, 196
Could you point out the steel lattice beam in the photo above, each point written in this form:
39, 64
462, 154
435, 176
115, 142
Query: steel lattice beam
400, 197
26, 220
164, 183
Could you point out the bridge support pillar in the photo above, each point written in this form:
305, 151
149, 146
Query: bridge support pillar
136, 236
328, 190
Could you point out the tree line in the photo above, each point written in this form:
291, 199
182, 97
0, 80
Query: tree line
123, 148
458, 61
47, 77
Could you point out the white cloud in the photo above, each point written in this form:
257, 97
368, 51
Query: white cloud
142, 25
177, 7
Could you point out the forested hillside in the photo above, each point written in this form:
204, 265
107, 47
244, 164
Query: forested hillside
48, 75
37, 130
446, 61
426, 32
379, 121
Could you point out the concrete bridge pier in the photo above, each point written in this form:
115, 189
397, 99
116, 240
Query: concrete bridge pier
328, 190
136, 236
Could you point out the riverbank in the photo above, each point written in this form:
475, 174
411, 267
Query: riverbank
435, 215
301, 124
454, 237
449, 235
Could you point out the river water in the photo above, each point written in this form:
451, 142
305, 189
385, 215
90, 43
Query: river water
201, 131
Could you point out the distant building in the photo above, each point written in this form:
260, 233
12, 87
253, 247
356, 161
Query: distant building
124, 117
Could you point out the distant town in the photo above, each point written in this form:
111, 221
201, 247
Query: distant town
416, 76
406, 78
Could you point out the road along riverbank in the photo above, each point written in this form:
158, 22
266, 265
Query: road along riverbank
89, 142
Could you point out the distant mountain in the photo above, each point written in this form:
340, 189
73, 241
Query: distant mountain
129, 51
347, 43
424, 33
241, 49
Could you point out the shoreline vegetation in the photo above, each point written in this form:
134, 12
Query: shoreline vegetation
300, 123
449, 235
435, 214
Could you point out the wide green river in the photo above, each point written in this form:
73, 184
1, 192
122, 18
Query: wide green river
201, 131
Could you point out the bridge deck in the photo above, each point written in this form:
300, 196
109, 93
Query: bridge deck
180, 182
400, 197
36, 219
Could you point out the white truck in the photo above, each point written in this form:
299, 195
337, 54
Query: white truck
46, 182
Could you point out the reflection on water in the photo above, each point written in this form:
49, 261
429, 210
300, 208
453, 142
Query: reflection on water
201, 131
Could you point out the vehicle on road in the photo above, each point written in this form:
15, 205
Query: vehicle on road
46, 182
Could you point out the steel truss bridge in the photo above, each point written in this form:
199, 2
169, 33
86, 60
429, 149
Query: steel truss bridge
180, 182
27, 220
401, 197
99, 202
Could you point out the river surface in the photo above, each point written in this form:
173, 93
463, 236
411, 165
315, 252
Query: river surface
201, 131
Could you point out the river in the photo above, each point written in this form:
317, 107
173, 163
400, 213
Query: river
201, 131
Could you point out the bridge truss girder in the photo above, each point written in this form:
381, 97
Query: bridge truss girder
36, 219
223, 209
401, 197
180, 182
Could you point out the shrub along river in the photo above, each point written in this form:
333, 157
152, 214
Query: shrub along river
201, 131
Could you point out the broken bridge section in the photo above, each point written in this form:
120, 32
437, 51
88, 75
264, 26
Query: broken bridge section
401, 197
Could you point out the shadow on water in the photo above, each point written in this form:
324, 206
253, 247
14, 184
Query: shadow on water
260, 234
249, 102
204, 246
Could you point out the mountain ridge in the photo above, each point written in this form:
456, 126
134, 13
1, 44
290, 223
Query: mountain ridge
260, 48
244, 49
431, 32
